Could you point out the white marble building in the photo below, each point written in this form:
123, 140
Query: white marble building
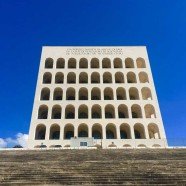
95, 96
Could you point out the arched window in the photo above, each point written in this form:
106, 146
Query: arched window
139, 131
58, 94
71, 78
107, 77
43, 112
47, 78
136, 111
146, 93
60, 63
59, 78
83, 112
83, 94
83, 63
121, 93
109, 111
108, 94
94, 63
119, 78
95, 94
83, 77
131, 77
40, 132
150, 111
68, 131
129, 63
55, 132
56, 112
140, 63
83, 130
123, 111
96, 111
97, 131
111, 131
70, 94
72, 63
106, 63
49, 63
45, 94
153, 131
69, 112
95, 77
118, 63
143, 77
133, 93
125, 132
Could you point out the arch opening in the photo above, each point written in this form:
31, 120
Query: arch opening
95, 94
121, 93
71, 78
119, 78
94, 63
58, 94
70, 94
109, 111
149, 111
56, 112
111, 131
43, 112
139, 131
83, 94
106, 63
133, 93
95, 77
70, 112
55, 132
72, 63
136, 111
118, 63
68, 131
125, 132
129, 63
60, 63
45, 94
83, 63
49, 63
140, 63
131, 77
59, 78
107, 77
123, 111
83, 112
83, 77
83, 130
96, 112
97, 131
40, 132
47, 78
153, 131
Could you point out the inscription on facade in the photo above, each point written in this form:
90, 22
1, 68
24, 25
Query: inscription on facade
94, 51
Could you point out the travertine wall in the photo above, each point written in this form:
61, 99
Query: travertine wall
102, 92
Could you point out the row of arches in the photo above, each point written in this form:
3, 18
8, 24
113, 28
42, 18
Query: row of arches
96, 111
95, 63
97, 131
108, 94
95, 78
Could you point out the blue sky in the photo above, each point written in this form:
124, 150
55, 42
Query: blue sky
25, 26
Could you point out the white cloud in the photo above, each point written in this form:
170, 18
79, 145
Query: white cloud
3, 143
20, 139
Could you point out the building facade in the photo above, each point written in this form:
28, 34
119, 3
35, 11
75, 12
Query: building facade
95, 96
